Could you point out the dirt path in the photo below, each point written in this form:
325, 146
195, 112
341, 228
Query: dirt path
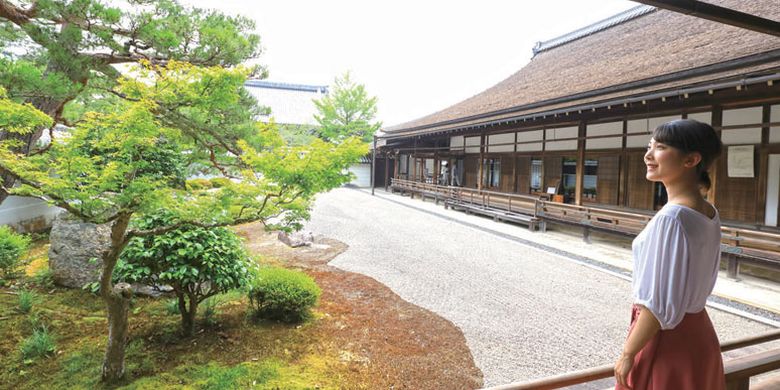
390, 343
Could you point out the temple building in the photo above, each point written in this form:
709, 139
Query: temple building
572, 126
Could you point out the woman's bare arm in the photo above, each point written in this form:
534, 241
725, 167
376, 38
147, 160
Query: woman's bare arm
645, 328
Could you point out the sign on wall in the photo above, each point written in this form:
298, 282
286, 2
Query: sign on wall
740, 161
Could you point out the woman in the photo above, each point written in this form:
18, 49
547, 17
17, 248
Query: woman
671, 343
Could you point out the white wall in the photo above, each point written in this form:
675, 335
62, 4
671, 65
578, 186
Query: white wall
362, 174
27, 214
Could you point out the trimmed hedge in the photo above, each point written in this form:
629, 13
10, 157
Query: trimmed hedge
283, 295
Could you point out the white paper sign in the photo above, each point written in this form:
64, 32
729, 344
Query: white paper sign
740, 160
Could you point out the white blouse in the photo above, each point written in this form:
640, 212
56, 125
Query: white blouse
676, 260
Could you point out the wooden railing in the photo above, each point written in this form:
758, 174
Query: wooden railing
738, 371
738, 245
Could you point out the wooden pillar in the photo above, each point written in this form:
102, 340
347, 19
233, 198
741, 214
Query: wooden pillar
514, 173
514, 166
373, 166
763, 167
717, 121
623, 170
397, 166
387, 171
436, 168
481, 160
414, 169
580, 164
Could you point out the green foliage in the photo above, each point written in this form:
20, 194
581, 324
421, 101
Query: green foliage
219, 182
26, 300
19, 118
44, 278
172, 307
59, 62
210, 310
298, 135
13, 247
197, 262
121, 163
283, 295
214, 376
185, 258
41, 343
199, 184
347, 111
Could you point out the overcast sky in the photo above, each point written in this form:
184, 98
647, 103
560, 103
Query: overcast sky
418, 56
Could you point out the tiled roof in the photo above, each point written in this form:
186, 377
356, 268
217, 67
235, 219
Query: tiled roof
593, 28
636, 51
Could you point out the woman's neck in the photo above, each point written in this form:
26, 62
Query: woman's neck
685, 192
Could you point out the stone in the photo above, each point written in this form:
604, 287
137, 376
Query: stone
296, 239
151, 291
75, 252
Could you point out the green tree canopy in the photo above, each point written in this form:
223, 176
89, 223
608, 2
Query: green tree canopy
347, 111
58, 55
124, 162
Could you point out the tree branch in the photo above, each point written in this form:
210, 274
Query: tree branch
17, 15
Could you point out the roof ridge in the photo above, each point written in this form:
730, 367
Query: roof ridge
288, 86
601, 25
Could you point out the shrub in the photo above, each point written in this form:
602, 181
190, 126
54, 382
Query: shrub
210, 310
172, 307
40, 343
196, 262
26, 300
219, 182
44, 278
12, 247
198, 184
283, 295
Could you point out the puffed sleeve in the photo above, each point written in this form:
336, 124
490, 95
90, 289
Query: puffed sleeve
661, 269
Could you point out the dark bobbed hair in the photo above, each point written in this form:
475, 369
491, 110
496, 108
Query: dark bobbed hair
690, 136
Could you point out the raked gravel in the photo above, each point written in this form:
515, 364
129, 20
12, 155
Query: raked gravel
525, 313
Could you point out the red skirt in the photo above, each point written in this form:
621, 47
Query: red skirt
684, 358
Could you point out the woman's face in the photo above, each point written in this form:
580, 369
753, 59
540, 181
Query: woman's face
668, 164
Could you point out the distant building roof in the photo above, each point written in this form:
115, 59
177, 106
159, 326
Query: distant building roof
287, 86
289, 103
657, 50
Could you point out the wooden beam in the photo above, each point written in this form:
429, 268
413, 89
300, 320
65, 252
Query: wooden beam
718, 14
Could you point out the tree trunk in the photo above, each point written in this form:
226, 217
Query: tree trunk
117, 306
188, 316
117, 299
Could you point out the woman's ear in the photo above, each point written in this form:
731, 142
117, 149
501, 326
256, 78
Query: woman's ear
692, 159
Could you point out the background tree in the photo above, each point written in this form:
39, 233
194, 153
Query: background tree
59, 54
184, 116
347, 111
197, 263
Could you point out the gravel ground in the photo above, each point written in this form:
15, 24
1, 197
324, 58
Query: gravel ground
525, 313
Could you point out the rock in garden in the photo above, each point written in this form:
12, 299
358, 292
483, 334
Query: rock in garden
74, 255
296, 239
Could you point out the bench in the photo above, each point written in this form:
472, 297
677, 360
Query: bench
532, 222
746, 246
